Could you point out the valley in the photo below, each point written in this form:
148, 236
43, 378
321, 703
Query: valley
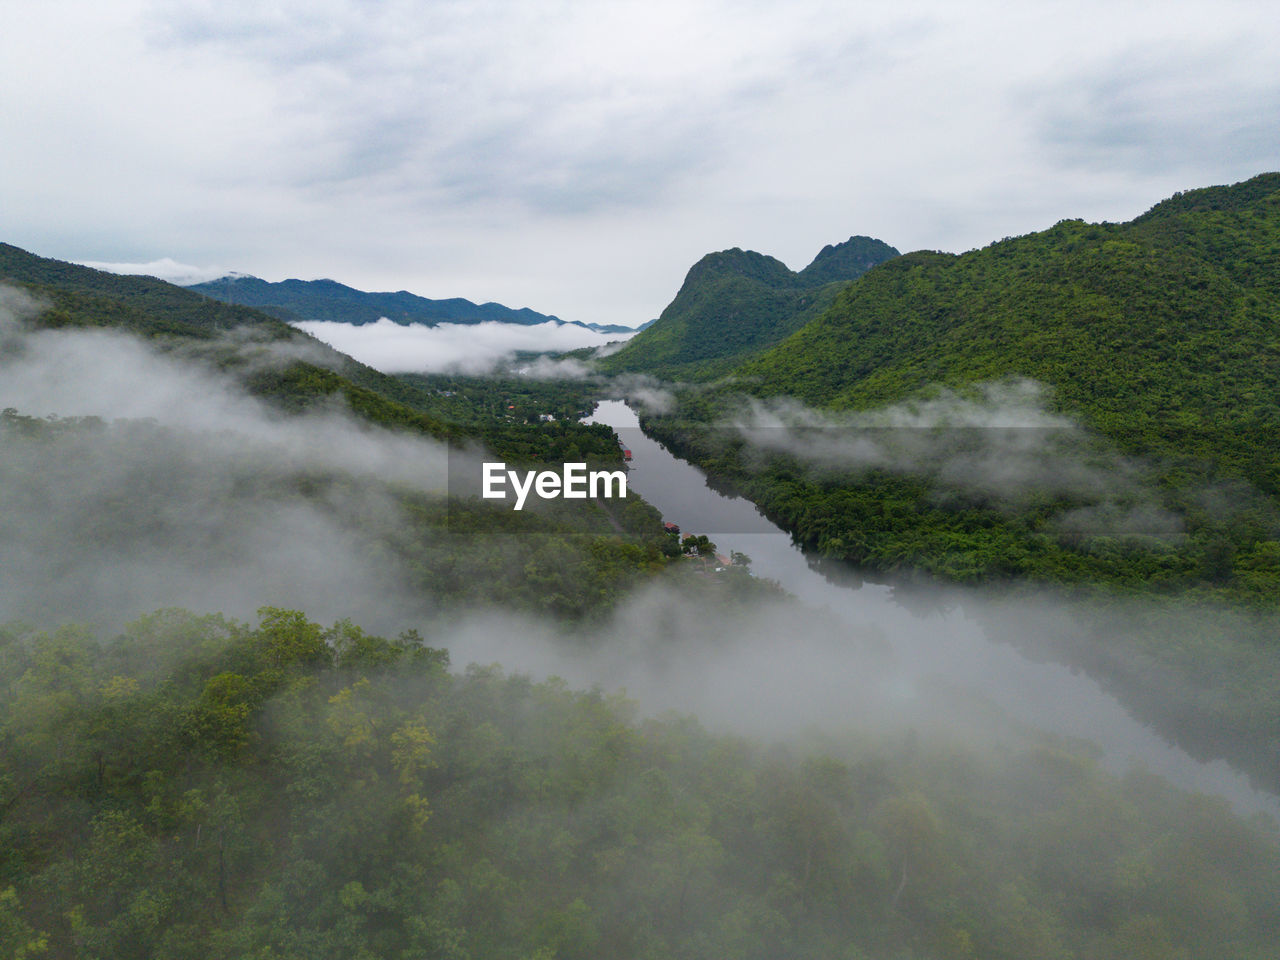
965, 645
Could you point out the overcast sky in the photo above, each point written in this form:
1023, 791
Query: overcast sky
577, 158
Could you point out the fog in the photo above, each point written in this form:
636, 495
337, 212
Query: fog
188, 493
193, 494
1017, 652
471, 348
1002, 444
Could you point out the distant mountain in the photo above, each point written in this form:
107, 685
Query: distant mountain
293, 300
736, 303
606, 327
173, 316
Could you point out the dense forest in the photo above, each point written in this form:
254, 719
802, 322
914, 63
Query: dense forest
194, 787
1090, 410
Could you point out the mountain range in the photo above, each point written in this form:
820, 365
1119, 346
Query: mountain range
294, 300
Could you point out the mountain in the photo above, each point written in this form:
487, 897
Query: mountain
1163, 333
606, 327
186, 784
842, 262
230, 335
293, 300
737, 303
149, 340
1159, 337
1156, 345
83, 296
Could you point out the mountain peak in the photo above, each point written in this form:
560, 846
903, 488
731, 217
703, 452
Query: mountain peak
742, 263
736, 303
846, 261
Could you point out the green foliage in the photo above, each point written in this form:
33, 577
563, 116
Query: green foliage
736, 303
572, 559
82, 296
231, 339
1159, 332
465, 399
1158, 335
362, 801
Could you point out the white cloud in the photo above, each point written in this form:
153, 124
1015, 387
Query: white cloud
468, 348
579, 158
165, 268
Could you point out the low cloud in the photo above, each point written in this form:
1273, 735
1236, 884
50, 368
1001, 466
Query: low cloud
165, 268
195, 500
448, 347
1001, 445
186, 491
551, 368
652, 395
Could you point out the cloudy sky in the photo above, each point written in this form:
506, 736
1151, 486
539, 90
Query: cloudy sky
577, 158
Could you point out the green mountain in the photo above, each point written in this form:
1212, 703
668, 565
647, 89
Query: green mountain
294, 300
1160, 336
190, 786
290, 368
1162, 333
82, 296
178, 318
736, 303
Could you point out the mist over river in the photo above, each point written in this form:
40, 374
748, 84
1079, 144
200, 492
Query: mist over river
940, 642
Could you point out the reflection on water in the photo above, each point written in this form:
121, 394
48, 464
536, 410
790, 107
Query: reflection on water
944, 644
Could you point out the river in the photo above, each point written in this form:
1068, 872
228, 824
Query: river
946, 645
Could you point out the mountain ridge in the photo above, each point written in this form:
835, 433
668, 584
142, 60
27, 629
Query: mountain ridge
736, 303
293, 300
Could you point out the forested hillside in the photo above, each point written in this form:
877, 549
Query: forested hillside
274, 361
1162, 333
205, 789
1092, 409
175, 488
81, 296
1159, 338
735, 303
229, 784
